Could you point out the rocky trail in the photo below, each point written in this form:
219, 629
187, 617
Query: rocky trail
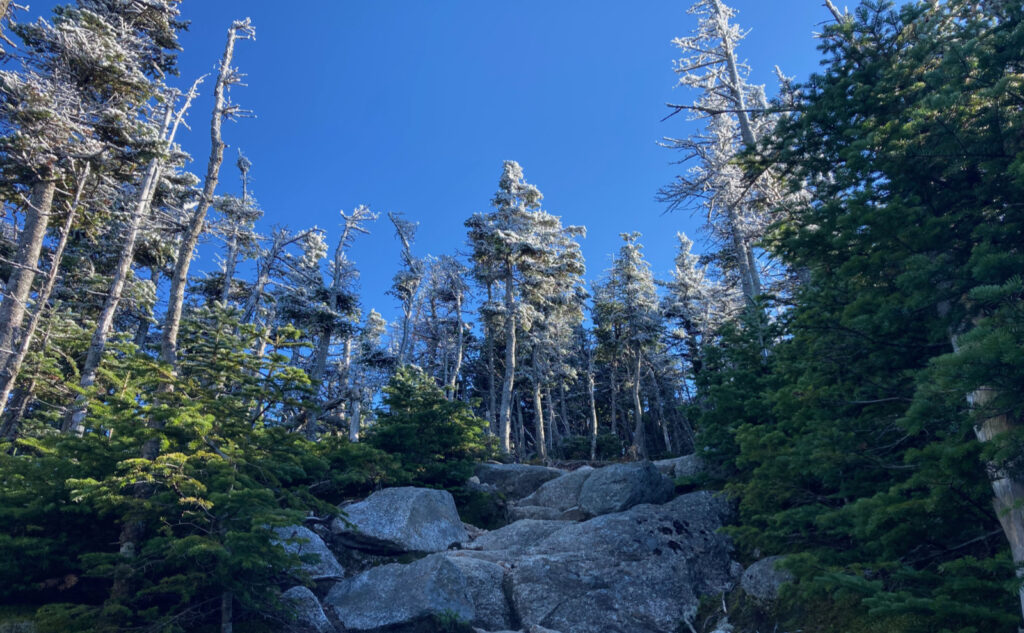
610, 549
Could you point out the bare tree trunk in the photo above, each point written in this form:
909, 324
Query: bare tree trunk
356, 420
13, 367
520, 431
554, 434
492, 400
639, 440
1008, 491
459, 348
510, 363
563, 412
179, 279
230, 264
227, 600
744, 253
540, 437
593, 405
614, 387
74, 421
660, 406
23, 273
142, 332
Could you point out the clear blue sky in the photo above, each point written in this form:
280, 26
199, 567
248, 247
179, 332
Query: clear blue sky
412, 106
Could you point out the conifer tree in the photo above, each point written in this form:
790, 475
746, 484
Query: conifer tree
736, 115
82, 79
406, 283
634, 307
863, 425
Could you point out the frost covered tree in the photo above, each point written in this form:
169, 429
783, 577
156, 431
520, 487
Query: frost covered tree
736, 116
236, 226
369, 369
340, 286
227, 77
695, 303
74, 98
552, 305
632, 305
515, 244
406, 283
440, 321
139, 212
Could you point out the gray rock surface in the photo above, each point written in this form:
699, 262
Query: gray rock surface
390, 596
540, 513
532, 629
517, 537
679, 467
762, 580
308, 612
300, 540
396, 520
560, 493
515, 480
621, 486
640, 571
689, 466
485, 582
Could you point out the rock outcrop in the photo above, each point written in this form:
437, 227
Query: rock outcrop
517, 537
399, 520
308, 612
515, 481
762, 580
302, 541
621, 486
642, 570
560, 493
395, 595
632, 559
681, 467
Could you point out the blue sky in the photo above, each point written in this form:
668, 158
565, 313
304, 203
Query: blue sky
412, 106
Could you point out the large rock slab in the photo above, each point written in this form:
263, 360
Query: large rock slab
517, 537
308, 612
680, 467
397, 520
302, 541
621, 486
485, 582
640, 571
515, 481
560, 493
401, 597
763, 579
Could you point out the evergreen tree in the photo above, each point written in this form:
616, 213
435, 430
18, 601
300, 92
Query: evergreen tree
633, 306
872, 415
515, 246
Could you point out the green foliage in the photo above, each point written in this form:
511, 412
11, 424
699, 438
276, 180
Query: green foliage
436, 440
735, 377
482, 509
449, 622
169, 501
848, 439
